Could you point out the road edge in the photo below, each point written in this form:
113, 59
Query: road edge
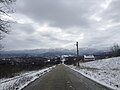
93, 79
34, 79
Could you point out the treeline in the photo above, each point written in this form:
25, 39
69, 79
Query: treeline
114, 51
10, 67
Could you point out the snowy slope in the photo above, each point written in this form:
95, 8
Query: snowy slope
19, 82
106, 71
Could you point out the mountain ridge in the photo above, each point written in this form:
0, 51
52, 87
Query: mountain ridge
50, 52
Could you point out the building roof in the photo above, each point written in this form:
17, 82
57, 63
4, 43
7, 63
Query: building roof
89, 56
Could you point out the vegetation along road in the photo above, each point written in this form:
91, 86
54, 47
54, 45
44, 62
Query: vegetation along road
64, 78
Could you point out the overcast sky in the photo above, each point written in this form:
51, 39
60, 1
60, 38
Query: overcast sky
60, 23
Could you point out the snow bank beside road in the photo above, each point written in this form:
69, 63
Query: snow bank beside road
106, 71
19, 82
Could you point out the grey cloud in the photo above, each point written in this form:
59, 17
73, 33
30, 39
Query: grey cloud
73, 17
60, 13
53, 38
112, 13
25, 28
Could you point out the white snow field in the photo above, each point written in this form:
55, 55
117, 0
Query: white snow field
19, 82
105, 71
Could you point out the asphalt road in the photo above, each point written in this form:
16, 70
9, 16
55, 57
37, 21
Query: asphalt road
63, 78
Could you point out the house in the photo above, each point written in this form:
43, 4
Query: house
89, 57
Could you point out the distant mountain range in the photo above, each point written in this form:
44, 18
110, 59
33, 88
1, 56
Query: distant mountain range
48, 52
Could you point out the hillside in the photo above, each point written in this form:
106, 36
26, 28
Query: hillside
105, 71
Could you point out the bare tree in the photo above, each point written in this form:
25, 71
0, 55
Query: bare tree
5, 9
115, 49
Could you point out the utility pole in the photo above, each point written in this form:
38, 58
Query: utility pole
77, 53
